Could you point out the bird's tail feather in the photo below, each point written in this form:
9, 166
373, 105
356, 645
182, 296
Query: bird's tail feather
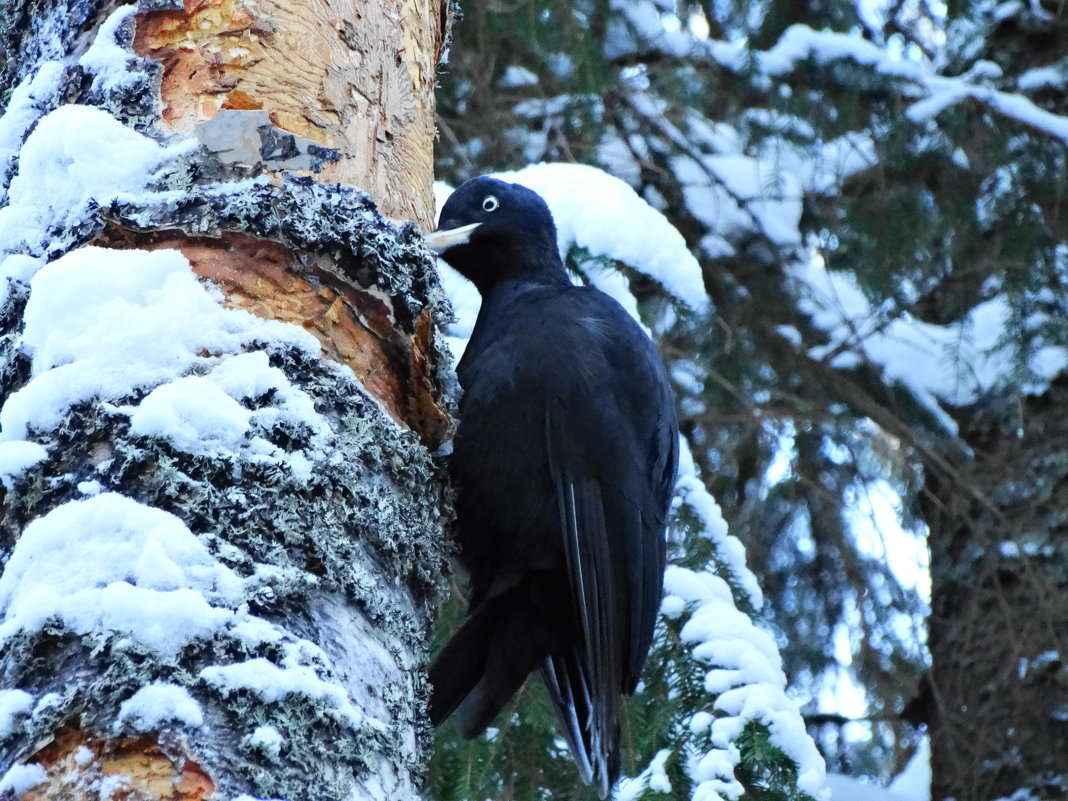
483, 665
592, 732
459, 666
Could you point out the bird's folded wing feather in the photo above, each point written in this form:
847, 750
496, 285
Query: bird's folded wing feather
590, 680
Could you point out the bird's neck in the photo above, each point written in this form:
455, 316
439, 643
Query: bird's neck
506, 273
501, 294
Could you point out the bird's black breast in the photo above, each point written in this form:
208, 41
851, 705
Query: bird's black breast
574, 353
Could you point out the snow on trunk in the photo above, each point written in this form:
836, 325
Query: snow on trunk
221, 386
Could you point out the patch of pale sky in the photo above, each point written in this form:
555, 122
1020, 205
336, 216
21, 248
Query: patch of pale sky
875, 521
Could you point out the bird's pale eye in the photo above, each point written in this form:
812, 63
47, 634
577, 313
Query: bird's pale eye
490, 203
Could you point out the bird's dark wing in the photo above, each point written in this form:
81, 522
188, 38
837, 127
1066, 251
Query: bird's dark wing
586, 682
611, 441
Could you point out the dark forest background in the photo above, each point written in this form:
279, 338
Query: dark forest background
875, 194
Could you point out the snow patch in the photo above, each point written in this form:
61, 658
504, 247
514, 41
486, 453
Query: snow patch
1010, 105
156, 704
599, 212
268, 740
90, 487
116, 783
19, 779
46, 704
672, 607
639, 26
14, 704
953, 363
16, 458
205, 415
77, 158
273, 684
105, 323
1054, 76
914, 782
800, 43
106, 59
847, 788
738, 193
746, 676
16, 268
195, 414
516, 76
654, 778
253, 631
22, 111
744, 672
691, 491
141, 573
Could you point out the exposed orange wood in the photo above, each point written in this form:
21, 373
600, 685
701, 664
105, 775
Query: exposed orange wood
237, 99
82, 768
430, 419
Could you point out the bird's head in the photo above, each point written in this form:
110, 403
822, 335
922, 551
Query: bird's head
490, 230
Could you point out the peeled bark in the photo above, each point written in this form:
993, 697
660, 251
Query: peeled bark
314, 550
353, 77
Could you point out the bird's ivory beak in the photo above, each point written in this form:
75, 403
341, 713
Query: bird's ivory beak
440, 241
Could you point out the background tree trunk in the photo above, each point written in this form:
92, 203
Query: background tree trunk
999, 616
207, 614
997, 688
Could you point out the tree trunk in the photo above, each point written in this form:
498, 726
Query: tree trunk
999, 621
222, 386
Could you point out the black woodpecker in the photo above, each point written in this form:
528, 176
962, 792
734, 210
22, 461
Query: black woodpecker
564, 462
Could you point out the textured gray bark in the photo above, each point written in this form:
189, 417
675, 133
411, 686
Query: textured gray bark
349, 561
